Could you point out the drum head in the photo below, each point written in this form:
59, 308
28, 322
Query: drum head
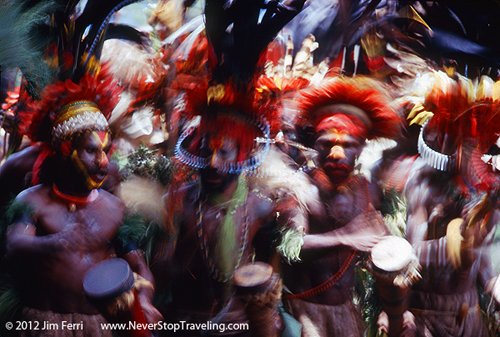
252, 275
108, 279
392, 254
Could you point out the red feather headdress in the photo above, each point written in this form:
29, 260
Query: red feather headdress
465, 123
218, 77
242, 113
39, 118
359, 105
66, 109
464, 111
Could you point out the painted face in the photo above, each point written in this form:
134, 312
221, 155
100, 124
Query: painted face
90, 156
219, 150
337, 153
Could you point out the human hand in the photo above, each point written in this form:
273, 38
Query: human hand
364, 231
363, 242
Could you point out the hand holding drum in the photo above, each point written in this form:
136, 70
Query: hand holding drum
111, 286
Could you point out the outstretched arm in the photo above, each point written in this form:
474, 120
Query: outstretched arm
429, 252
361, 233
459, 244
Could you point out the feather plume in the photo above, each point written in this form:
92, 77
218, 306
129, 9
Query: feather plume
36, 120
238, 33
276, 178
21, 46
361, 92
138, 193
130, 64
463, 109
169, 13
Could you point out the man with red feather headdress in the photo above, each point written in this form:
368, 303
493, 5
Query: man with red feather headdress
66, 224
219, 221
338, 116
452, 207
63, 227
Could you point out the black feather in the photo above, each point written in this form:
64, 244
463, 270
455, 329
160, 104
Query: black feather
21, 47
124, 32
239, 31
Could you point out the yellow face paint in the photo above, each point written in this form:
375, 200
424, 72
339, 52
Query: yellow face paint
337, 152
101, 137
89, 182
99, 140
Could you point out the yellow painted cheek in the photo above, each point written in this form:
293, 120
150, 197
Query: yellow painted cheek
91, 183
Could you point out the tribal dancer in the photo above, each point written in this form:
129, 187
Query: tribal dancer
452, 206
65, 226
58, 54
217, 217
219, 221
339, 115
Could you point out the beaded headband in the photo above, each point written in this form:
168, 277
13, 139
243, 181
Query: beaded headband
76, 117
246, 165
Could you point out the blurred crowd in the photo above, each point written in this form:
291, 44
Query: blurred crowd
298, 168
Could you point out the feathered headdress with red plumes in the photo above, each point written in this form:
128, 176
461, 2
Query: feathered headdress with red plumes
40, 118
216, 79
67, 109
461, 120
226, 111
358, 106
463, 110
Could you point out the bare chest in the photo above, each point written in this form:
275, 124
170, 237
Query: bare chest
222, 236
92, 226
341, 207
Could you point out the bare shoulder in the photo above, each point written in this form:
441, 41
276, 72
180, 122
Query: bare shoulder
22, 160
29, 204
34, 196
260, 204
417, 175
110, 202
418, 187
